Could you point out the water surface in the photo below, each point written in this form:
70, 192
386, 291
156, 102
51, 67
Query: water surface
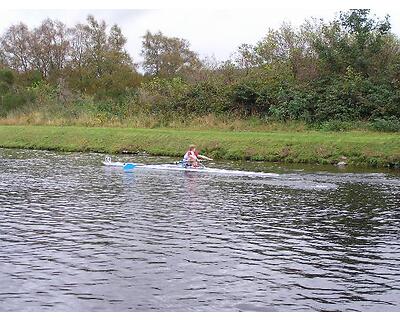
77, 236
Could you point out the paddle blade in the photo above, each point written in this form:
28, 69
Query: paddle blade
129, 166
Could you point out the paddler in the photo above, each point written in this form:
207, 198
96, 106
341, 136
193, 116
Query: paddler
192, 156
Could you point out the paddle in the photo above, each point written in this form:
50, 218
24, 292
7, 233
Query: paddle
130, 166
204, 158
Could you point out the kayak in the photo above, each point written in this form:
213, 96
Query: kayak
179, 165
182, 166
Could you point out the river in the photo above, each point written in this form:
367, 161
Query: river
78, 236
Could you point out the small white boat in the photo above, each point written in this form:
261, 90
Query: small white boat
179, 165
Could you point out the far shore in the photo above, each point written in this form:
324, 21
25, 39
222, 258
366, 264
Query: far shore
371, 149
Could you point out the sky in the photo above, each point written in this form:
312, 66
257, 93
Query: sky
211, 31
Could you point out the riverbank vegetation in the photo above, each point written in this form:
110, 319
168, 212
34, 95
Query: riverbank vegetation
334, 75
356, 148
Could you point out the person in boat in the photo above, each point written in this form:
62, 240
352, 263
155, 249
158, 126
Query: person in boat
192, 157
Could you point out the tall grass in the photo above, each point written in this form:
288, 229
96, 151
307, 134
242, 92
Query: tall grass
85, 111
68, 117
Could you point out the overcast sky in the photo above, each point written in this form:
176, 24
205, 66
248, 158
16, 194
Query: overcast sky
210, 31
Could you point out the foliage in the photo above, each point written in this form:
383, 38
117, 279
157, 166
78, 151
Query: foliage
167, 57
386, 124
330, 75
11, 97
87, 58
354, 39
7, 77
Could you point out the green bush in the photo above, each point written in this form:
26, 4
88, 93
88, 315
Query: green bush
391, 124
4, 88
11, 101
161, 96
43, 93
246, 94
7, 77
336, 125
291, 103
206, 97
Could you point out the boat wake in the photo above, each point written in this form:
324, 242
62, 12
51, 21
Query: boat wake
296, 181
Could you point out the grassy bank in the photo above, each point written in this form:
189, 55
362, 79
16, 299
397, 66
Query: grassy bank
357, 148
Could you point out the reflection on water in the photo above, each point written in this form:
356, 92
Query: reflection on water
75, 236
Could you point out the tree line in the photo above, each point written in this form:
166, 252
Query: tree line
347, 69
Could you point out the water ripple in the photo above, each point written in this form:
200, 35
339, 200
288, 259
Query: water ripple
75, 236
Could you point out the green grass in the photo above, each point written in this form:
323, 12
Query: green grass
360, 148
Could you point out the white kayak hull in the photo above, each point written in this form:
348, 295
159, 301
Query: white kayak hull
113, 164
130, 165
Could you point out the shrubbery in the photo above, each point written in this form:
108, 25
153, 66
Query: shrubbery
336, 75
386, 124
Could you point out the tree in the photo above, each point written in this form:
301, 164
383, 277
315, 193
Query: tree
246, 57
44, 49
355, 39
99, 63
289, 47
50, 48
167, 57
15, 47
